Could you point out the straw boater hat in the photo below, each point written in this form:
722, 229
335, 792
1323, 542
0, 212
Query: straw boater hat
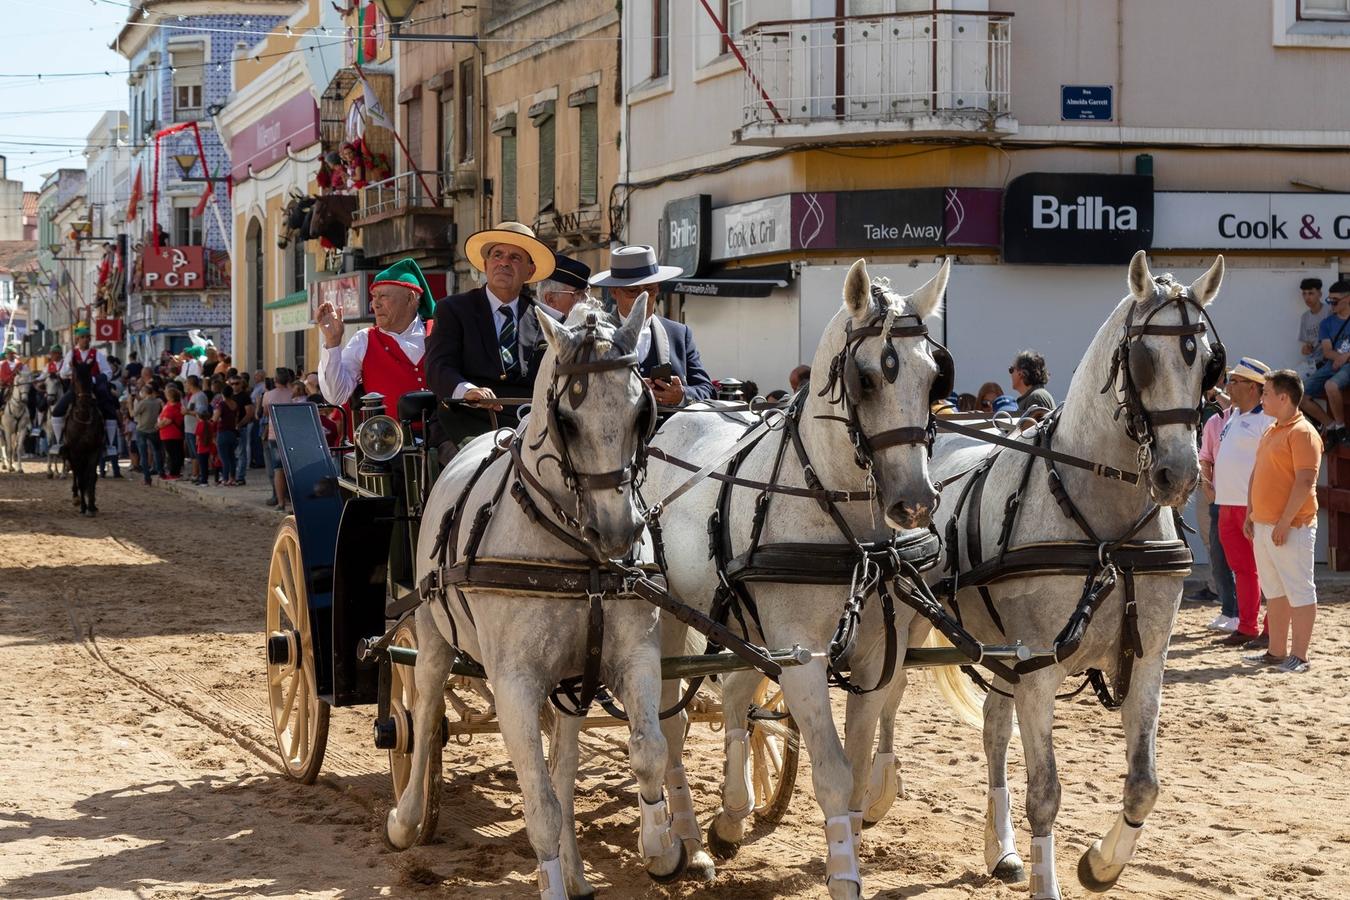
517, 235
1250, 369
632, 266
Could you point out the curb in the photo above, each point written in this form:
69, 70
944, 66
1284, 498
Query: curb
245, 501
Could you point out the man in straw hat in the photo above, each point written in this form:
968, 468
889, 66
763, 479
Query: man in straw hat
482, 347
668, 359
387, 358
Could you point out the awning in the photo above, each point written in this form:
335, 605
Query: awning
289, 300
756, 281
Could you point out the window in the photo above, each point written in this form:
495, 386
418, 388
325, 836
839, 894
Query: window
660, 38
505, 129
1333, 10
733, 19
588, 145
546, 123
445, 156
187, 231
467, 111
297, 266
186, 69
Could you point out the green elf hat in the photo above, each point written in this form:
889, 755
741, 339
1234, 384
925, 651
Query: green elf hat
195, 351
407, 273
82, 330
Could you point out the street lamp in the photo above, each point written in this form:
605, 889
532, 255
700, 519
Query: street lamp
397, 11
186, 162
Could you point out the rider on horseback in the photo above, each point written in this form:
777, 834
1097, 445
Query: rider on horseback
99, 368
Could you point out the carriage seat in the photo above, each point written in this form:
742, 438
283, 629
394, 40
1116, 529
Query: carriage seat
415, 404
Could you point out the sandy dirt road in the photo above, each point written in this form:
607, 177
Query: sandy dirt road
135, 753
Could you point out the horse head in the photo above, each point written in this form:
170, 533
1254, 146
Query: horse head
884, 373
81, 379
592, 406
1167, 357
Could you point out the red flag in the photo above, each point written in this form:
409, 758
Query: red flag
201, 204
135, 201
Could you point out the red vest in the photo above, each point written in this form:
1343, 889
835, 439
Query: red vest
89, 356
7, 372
387, 370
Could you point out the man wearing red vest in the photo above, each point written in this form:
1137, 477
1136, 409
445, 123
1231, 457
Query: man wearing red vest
10, 366
386, 358
94, 357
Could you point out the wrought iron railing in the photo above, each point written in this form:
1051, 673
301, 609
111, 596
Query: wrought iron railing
877, 68
416, 188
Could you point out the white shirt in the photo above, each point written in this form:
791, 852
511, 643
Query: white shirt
190, 367
100, 357
340, 368
1233, 463
498, 320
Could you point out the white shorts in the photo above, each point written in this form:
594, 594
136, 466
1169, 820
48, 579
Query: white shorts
1286, 571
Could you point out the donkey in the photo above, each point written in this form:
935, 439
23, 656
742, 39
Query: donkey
83, 440
1152, 360
14, 424
590, 406
888, 383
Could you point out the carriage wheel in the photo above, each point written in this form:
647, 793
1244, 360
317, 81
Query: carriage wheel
402, 702
775, 745
299, 717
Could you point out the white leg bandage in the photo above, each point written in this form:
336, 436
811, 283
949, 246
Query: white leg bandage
1044, 884
738, 799
855, 822
842, 863
655, 837
999, 841
883, 786
1117, 848
58, 427
681, 805
551, 885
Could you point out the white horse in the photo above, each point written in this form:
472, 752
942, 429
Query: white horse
882, 380
56, 463
14, 424
589, 406
1151, 357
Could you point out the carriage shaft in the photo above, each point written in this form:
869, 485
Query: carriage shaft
671, 667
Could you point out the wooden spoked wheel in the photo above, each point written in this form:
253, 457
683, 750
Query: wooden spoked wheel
402, 703
775, 746
299, 717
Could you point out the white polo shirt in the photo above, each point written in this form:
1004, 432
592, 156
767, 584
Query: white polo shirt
1233, 463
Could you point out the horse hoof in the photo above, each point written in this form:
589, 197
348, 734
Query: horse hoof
396, 837
676, 873
1089, 880
1010, 870
721, 848
701, 867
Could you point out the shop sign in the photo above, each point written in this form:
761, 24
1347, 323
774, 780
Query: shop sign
1251, 221
174, 268
293, 124
347, 292
971, 216
290, 318
685, 233
752, 229
1077, 219
884, 219
107, 329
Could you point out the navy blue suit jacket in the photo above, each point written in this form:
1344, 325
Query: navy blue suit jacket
684, 361
463, 346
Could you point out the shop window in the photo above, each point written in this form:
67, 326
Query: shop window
186, 68
541, 114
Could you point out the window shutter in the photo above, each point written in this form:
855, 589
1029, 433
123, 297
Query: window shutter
547, 162
509, 176
588, 179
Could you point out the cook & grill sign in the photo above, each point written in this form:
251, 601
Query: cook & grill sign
751, 229
1077, 218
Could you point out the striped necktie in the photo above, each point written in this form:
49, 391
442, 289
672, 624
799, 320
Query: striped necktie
506, 337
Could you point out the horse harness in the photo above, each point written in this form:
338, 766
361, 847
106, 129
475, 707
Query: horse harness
1103, 563
590, 576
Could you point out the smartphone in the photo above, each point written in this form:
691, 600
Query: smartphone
660, 373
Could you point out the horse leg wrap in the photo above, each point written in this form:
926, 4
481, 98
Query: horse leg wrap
551, 885
739, 798
58, 427
855, 823
842, 863
655, 838
883, 786
1044, 884
999, 841
682, 806
1117, 848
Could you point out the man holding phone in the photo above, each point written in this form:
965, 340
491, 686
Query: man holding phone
667, 357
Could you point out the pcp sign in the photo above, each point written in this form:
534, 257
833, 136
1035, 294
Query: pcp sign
174, 268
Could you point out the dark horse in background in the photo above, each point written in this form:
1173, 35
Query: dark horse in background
83, 439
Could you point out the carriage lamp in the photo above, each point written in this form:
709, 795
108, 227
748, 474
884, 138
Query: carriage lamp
380, 438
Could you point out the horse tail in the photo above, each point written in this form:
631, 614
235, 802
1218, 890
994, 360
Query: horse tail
961, 694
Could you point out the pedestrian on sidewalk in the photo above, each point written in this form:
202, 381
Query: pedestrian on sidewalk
205, 447
246, 425
1236, 454
1282, 522
227, 434
1221, 575
281, 393
146, 413
171, 432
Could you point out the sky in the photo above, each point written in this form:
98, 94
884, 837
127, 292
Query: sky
44, 122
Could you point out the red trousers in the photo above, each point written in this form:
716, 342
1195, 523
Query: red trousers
1242, 560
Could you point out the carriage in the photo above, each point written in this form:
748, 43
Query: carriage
341, 592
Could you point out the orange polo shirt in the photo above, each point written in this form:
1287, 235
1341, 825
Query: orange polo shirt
1284, 450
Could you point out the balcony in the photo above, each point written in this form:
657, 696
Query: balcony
904, 75
403, 216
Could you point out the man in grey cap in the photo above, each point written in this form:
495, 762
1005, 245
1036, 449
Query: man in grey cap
667, 357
